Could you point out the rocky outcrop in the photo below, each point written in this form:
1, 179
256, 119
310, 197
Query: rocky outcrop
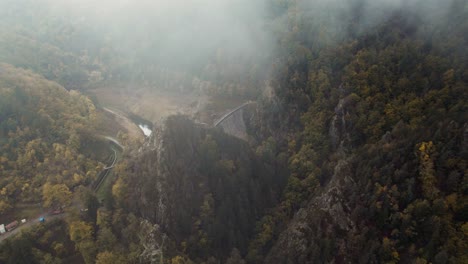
197, 183
317, 224
311, 237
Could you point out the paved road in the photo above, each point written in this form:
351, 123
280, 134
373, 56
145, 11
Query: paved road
106, 172
30, 223
113, 162
113, 140
48, 216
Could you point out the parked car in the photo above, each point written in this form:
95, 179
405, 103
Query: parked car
56, 212
11, 226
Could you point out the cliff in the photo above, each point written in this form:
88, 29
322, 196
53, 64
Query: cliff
204, 188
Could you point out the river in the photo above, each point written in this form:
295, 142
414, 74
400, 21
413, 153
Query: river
146, 130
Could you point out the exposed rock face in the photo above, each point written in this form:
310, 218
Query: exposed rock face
315, 227
152, 241
326, 215
338, 125
196, 182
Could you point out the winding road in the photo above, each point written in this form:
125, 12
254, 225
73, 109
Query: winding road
103, 175
113, 162
48, 215
30, 223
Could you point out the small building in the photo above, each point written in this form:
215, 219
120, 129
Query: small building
11, 226
2, 229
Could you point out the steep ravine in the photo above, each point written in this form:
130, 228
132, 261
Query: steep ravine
201, 186
311, 235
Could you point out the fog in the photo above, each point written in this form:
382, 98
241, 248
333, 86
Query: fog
364, 15
188, 35
179, 32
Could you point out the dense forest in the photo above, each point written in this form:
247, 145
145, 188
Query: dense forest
383, 124
42, 128
355, 149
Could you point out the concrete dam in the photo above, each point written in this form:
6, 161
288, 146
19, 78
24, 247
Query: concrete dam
233, 122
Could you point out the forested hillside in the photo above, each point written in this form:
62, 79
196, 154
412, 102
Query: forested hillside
41, 129
50, 158
49, 42
383, 128
355, 150
205, 189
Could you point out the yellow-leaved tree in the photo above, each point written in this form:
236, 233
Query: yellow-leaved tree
427, 171
56, 195
81, 233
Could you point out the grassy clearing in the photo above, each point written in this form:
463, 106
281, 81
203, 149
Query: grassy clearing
149, 104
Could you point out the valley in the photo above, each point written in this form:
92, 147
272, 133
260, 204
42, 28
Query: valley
233, 131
